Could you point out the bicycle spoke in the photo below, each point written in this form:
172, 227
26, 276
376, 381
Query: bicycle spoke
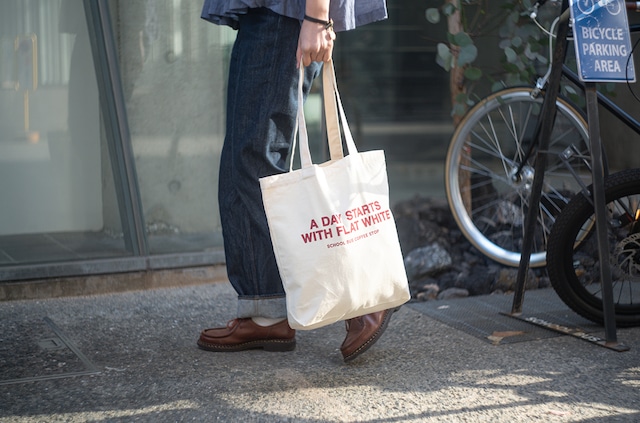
513, 130
557, 137
492, 142
489, 178
483, 170
498, 147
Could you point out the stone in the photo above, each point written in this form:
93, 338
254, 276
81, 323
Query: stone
506, 280
426, 260
478, 282
452, 293
428, 292
436, 253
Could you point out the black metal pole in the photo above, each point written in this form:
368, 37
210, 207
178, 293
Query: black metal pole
597, 170
547, 119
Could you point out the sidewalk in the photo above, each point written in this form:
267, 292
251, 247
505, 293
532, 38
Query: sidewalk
132, 357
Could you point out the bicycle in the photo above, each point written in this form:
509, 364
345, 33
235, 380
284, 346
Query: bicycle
490, 163
573, 256
573, 251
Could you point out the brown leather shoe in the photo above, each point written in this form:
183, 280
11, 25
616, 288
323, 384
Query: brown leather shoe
363, 332
244, 334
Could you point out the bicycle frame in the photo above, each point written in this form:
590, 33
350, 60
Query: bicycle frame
603, 100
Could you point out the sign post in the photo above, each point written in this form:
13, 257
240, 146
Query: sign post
603, 50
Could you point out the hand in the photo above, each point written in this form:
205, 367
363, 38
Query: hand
315, 43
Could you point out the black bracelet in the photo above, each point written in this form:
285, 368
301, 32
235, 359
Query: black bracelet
327, 24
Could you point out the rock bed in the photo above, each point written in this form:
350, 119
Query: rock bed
441, 263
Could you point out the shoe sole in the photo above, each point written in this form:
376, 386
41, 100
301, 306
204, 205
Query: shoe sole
364, 347
274, 345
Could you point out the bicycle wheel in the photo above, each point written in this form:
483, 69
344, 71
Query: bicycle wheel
573, 259
487, 193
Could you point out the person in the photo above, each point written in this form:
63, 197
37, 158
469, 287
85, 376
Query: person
273, 39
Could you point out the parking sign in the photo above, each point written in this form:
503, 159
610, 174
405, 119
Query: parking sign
602, 41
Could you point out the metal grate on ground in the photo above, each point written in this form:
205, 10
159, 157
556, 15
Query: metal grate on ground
36, 349
486, 317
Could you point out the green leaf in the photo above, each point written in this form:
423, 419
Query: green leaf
461, 98
510, 68
461, 39
516, 41
536, 47
472, 73
513, 17
444, 56
504, 44
467, 54
512, 56
449, 9
459, 109
529, 54
433, 15
529, 31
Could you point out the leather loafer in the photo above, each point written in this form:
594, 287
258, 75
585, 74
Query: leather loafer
244, 334
363, 332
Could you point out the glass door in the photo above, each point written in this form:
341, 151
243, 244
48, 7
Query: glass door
58, 199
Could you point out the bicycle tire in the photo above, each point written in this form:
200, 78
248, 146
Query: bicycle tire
573, 258
487, 201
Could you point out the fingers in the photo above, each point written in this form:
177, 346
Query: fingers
315, 44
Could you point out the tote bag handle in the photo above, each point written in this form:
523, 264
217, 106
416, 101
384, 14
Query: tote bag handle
331, 98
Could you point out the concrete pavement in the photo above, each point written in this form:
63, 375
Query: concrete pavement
132, 357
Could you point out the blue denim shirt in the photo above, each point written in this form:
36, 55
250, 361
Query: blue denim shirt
346, 14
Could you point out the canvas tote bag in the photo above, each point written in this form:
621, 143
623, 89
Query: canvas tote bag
334, 237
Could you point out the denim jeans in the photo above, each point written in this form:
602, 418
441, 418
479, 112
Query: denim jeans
262, 105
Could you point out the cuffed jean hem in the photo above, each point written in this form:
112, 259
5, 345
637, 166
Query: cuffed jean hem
272, 307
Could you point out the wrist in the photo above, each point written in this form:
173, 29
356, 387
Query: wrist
326, 23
